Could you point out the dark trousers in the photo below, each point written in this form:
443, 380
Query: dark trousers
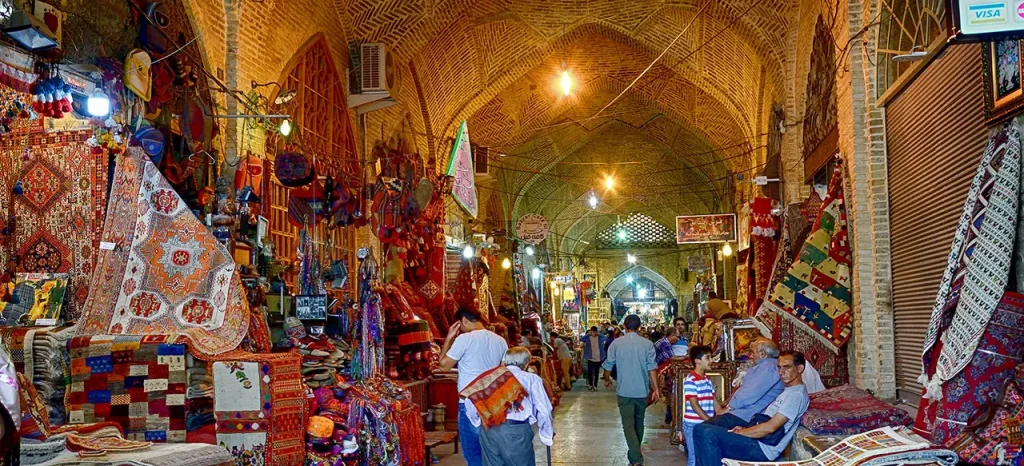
508, 444
632, 411
593, 371
712, 442
728, 421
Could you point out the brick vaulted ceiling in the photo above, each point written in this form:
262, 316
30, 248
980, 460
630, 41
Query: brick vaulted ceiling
692, 120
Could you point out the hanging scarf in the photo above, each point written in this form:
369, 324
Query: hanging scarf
493, 394
978, 267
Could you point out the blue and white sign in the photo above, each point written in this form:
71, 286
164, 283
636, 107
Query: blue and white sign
988, 19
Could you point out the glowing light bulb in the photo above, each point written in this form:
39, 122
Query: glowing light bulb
286, 127
535, 273
629, 279
506, 264
467, 252
726, 250
98, 104
641, 293
630, 258
566, 83
529, 250
609, 182
554, 285
592, 201
622, 235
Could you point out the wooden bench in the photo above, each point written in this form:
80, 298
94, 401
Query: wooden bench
434, 439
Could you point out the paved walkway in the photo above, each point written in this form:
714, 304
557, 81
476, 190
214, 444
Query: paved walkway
588, 431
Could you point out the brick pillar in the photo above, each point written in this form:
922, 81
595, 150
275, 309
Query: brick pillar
862, 143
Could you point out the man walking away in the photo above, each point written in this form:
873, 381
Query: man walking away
594, 353
564, 358
633, 356
476, 350
507, 439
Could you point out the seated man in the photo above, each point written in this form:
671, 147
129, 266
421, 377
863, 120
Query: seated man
768, 433
760, 387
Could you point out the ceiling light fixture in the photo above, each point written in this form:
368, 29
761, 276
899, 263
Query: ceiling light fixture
629, 279
609, 182
535, 273
726, 250
630, 258
592, 201
98, 104
566, 83
467, 252
529, 250
622, 235
286, 127
641, 293
506, 263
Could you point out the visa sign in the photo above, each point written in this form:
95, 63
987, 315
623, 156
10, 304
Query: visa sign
987, 13
988, 19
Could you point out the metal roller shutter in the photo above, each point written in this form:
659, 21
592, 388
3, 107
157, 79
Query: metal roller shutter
935, 134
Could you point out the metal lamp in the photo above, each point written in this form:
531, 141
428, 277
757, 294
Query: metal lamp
30, 32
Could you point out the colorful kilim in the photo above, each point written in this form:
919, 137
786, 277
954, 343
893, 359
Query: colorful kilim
493, 394
60, 214
794, 230
138, 382
259, 405
173, 276
816, 290
978, 267
981, 382
988, 442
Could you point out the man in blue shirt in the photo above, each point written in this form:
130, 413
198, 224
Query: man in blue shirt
594, 353
761, 386
634, 357
769, 432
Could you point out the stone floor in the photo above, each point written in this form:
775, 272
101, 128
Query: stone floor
588, 432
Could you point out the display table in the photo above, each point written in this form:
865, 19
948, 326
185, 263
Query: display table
721, 375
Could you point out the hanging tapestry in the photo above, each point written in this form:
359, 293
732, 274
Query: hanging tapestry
173, 276
763, 228
135, 381
794, 230
815, 291
259, 406
60, 212
982, 380
978, 267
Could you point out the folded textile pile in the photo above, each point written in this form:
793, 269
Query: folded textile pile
847, 410
322, 360
199, 416
137, 381
879, 447
57, 452
41, 354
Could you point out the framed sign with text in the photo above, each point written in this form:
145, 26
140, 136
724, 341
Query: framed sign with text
717, 228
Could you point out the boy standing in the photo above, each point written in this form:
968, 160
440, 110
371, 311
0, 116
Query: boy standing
699, 393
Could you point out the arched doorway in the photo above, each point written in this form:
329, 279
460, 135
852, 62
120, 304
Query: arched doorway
642, 291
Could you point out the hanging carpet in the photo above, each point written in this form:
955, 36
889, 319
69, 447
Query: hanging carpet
60, 213
815, 292
161, 271
971, 303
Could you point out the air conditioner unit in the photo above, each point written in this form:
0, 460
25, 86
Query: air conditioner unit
376, 69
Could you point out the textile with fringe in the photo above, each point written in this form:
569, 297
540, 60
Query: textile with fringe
493, 394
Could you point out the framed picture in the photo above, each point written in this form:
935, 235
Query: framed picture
719, 382
1002, 76
38, 299
739, 334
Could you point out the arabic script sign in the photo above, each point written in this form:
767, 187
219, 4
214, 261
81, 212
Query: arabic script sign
460, 167
718, 228
532, 228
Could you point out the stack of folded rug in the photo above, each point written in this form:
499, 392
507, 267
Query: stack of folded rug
41, 354
847, 410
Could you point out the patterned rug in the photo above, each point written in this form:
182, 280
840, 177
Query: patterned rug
60, 214
978, 267
884, 446
172, 275
259, 405
138, 382
848, 410
815, 292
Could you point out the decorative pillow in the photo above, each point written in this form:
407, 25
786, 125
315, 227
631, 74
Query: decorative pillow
35, 421
848, 410
992, 432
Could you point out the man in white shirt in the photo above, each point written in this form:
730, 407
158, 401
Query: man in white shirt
511, 443
476, 350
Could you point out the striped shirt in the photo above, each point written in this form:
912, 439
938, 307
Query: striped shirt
699, 387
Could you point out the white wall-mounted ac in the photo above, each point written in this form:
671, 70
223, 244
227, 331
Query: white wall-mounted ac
378, 78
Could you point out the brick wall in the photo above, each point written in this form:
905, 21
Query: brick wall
862, 147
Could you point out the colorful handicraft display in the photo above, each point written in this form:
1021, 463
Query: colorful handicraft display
978, 267
816, 290
880, 447
137, 382
59, 214
173, 276
259, 405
